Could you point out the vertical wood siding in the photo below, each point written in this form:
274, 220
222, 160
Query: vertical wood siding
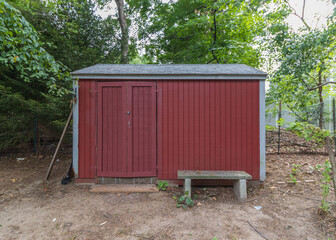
208, 125
87, 129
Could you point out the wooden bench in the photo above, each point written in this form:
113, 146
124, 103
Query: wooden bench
238, 177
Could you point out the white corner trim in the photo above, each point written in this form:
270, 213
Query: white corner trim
75, 120
262, 129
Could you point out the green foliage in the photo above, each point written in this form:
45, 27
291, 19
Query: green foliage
184, 201
322, 138
270, 128
18, 112
33, 84
305, 59
326, 182
204, 31
292, 179
295, 170
40, 44
309, 132
74, 34
162, 186
22, 52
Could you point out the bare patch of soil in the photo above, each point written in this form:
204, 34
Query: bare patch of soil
31, 208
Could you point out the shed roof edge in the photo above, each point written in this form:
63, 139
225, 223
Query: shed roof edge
170, 77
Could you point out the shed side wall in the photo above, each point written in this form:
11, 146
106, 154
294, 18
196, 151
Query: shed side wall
208, 125
87, 141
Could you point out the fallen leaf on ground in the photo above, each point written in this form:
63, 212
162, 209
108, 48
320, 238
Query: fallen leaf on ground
214, 198
199, 204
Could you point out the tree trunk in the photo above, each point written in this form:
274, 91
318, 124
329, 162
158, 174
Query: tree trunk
124, 31
329, 147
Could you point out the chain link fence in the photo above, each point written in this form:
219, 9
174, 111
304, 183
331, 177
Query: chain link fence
279, 138
311, 114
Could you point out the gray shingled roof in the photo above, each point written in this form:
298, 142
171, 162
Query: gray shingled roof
168, 71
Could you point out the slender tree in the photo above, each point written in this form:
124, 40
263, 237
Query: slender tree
124, 31
307, 60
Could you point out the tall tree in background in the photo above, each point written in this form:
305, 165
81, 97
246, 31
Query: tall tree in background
204, 31
198, 31
306, 60
124, 31
128, 49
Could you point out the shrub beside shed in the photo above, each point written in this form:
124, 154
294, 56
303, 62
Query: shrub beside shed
144, 121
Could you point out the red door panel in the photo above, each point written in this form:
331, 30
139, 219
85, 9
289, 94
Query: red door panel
126, 129
141, 102
112, 144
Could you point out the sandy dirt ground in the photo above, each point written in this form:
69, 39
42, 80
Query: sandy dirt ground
31, 208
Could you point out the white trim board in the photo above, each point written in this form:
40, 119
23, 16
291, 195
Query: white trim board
262, 129
75, 121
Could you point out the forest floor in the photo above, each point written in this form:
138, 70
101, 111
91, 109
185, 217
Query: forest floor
31, 208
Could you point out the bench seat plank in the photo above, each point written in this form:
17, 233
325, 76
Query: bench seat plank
228, 175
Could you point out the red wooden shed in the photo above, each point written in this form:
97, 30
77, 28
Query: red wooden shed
136, 122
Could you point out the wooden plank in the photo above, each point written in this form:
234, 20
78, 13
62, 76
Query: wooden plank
59, 145
186, 125
206, 128
192, 124
219, 124
197, 153
180, 126
161, 121
170, 130
176, 133
202, 110
238, 110
124, 188
229, 175
153, 131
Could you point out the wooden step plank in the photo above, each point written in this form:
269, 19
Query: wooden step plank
124, 188
197, 174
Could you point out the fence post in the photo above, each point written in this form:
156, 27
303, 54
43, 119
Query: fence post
279, 131
334, 121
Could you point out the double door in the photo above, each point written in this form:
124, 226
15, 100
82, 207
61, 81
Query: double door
126, 129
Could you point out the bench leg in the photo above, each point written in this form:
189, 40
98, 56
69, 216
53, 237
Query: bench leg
187, 186
239, 188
